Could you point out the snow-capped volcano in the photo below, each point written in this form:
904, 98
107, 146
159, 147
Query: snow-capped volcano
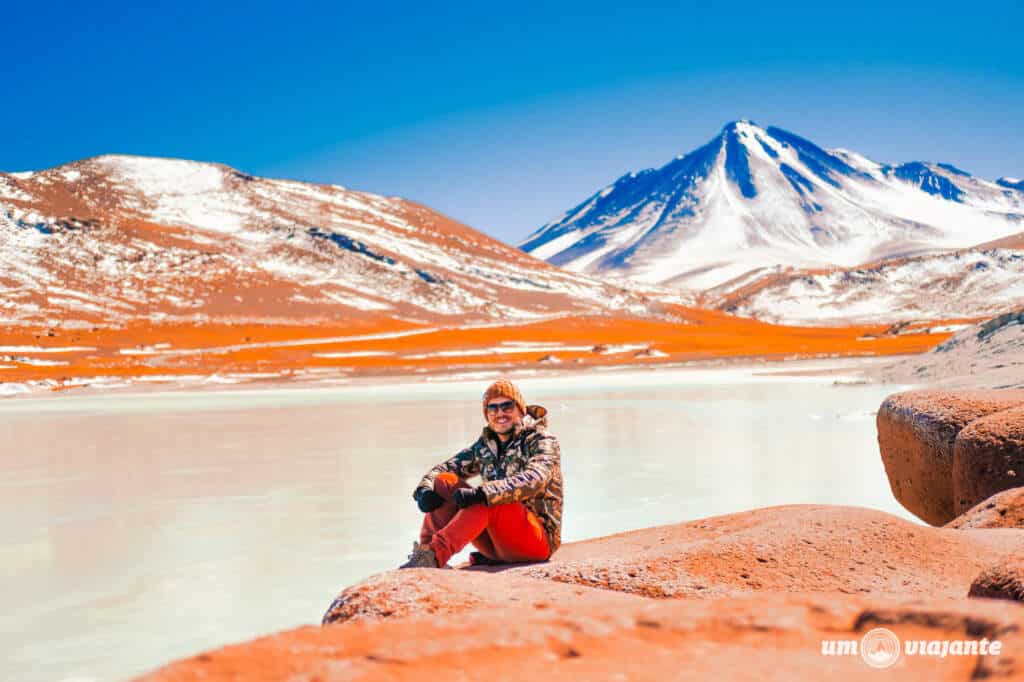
758, 197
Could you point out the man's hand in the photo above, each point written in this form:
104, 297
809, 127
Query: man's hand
465, 497
428, 501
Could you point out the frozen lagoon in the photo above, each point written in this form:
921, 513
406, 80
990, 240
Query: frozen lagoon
147, 527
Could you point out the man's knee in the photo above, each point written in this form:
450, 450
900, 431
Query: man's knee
446, 482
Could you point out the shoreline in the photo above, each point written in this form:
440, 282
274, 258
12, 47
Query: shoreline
857, 371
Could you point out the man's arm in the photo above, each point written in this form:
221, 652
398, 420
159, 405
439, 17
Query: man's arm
531, 481
463, 464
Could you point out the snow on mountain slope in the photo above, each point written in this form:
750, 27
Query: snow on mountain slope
986, 355
1012, 183
115, 238
964, 284
757, 197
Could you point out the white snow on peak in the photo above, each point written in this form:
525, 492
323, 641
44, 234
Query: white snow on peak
858, 161
778, 202
179, 192
164, 176
745, 127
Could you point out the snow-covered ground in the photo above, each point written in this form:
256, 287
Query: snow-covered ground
986, 355
963, 284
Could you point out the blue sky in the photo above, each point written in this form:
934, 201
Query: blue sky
504, 117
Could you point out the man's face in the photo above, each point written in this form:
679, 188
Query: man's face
502, 414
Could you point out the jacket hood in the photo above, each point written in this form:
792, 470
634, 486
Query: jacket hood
536, 417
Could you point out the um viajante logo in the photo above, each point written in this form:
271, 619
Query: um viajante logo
882, 648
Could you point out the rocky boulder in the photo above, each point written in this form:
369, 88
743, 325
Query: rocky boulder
988, 457
747, 596
1004, 580
935, 474
791, 548
1002, 510
765, 637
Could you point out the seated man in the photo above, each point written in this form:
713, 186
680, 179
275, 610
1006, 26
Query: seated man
516, 515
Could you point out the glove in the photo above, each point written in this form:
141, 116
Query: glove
465, 497
428, 500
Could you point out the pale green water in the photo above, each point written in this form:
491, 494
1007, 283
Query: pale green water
140, 529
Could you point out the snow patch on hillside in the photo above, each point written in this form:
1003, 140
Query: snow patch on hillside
955, 285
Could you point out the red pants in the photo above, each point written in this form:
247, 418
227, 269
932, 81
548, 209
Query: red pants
506, 532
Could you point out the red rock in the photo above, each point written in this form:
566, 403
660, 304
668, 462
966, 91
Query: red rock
430, 592
917, 431
746, 596
1002, 510
762, 637
1004, 580
785, 548
988, 457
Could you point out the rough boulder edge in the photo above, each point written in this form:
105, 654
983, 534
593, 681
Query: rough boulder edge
790, 548
917, 435
988, 456
1002, 510
764, 638
1004, 580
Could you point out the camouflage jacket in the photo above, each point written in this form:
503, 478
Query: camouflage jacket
528, 471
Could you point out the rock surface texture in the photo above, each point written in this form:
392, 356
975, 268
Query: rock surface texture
1004, 580
1002, 510
988, 457
747, 596
944, 452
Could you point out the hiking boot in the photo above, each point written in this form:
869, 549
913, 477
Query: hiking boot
422, 556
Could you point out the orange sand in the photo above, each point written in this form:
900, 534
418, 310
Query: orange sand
695, 334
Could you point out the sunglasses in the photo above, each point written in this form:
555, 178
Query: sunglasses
493, 408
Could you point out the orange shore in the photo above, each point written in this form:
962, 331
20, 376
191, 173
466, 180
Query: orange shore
388, 347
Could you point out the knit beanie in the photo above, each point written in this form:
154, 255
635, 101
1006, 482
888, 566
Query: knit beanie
505, 389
